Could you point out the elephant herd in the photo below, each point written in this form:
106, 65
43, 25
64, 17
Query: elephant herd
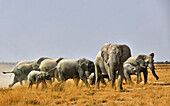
113, 61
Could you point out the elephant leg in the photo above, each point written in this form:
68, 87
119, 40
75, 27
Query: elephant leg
126, 74
120, 78
76, 81
25, 81
139, 79
102, 80
145, 74
98, 75
129, 80
50, 82
21, 82
30, 84
92, 79
84, 79
125, 80
82, 76
60, 76
54, 76
37, 83
45, 84
14, 82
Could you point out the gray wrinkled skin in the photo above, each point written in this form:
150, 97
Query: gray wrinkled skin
21, 71
109, 60
49, 64
75, 69
37, 61
37, 77
142, 62
131, 70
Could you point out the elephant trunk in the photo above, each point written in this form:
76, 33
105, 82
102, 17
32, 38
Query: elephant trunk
112, 71
152, 68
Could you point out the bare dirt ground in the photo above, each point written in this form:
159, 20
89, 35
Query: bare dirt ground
155, 93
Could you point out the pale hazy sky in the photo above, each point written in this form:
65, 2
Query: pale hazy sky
78, 28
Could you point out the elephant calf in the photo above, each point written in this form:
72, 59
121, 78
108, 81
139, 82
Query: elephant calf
131, 70
36, 77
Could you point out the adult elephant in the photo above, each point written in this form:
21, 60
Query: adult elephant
142, 62
38, 61
49, 64
110, 59
75, 69
21, 71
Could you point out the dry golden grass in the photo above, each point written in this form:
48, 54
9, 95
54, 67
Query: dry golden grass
153, 93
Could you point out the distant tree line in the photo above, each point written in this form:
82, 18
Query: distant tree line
162, 62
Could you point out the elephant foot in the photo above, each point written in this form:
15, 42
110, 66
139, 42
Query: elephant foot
138, 81
120, 90
10, 86
97, 87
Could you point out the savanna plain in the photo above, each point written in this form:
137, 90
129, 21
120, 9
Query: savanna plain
154, 93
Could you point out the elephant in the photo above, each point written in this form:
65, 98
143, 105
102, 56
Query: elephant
49, 64
109, 60
21, 71
142, 62
131, 70
38, 61
75, 69
37, 77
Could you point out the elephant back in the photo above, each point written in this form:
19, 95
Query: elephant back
48, 64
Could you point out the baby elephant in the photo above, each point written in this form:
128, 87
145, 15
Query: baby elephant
131, 70
36, 77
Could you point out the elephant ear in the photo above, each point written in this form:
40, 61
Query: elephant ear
83, 64
59, 59
140, 60
104, 52
152, 55
91, 66
41, 59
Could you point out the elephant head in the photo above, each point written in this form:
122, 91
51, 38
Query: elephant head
35, 66
145, 61
111, 54
87, 66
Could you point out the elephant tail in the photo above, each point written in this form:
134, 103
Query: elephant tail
59, 59
7, 72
